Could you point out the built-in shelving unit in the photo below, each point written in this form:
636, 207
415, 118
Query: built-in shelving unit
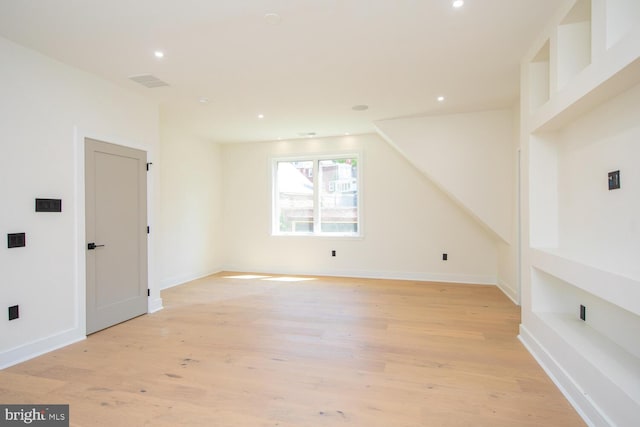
573, 43
580, 119
622, 17
539, 77
617, 70
620, 291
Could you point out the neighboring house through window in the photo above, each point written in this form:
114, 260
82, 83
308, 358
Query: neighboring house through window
316, 196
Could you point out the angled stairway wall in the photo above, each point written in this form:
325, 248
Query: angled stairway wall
469, 156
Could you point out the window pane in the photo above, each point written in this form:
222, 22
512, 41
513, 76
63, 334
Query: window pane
295, 196
339, 196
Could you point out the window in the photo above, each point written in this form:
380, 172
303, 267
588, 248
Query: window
316, 196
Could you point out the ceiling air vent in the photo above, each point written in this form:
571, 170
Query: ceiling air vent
147, 80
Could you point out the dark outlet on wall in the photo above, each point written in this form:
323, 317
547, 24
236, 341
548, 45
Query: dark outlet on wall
445, 257
14, 312
333, 253
16, 240
583, 312
48, 205
614, 180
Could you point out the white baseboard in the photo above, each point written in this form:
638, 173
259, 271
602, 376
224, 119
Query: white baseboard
170, 282
39, 347
508, 291
581, 402
392, 275
155, 304
424, 277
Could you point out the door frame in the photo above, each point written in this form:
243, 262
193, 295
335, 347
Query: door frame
518, 237
154, 302
130, 301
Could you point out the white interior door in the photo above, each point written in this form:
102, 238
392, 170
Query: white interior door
116, 232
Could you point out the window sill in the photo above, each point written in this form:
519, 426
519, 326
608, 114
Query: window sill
336, 236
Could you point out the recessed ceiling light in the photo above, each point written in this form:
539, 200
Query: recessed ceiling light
261, 116
440, 98
347, 134
360, 107
458, 3
158, 54
203, 100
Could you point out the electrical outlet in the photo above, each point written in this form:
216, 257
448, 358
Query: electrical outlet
583, 312
614, 180
445, 257
14, 312
16, 240
333, 253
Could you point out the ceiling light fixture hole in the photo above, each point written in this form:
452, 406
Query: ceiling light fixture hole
272, 18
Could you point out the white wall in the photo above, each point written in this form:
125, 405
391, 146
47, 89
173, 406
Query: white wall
469, 156
407, 221
509, 253
45, 110
605, 140
191, 209
472, 157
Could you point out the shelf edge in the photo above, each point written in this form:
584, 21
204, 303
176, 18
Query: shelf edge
613, 73
619, 290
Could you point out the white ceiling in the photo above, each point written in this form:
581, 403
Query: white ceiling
306, 72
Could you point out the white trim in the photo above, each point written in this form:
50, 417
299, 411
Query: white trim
181, 279
508, 291
80, 135
392, 275
155, 304
581, 401
80, 233
39, 347
518, 242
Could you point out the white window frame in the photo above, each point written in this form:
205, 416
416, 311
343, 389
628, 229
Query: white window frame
316, 158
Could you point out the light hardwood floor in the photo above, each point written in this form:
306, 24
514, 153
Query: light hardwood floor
325, 352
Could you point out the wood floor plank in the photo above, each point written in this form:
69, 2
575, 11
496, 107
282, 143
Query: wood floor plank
321, 352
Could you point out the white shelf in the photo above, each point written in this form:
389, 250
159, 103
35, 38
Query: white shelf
611, 287
580, 91
615, 71
573, 43
612, 361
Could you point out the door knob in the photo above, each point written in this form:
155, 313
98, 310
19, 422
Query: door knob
91, 246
